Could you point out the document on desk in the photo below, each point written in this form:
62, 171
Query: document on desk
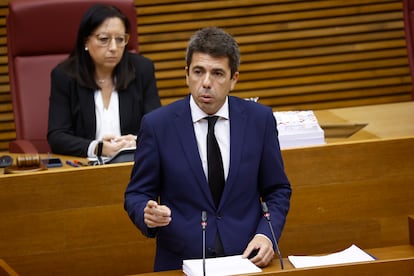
221, 266
298, 128
352, 254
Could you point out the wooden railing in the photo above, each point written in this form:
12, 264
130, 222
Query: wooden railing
70, 221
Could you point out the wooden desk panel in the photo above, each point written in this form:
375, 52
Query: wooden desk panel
70, 221
349, 193
63, 188
411, 228
342, 194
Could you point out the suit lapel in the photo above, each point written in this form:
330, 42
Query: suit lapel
129, 104
237, 135
125, 110
185, 129
87, 106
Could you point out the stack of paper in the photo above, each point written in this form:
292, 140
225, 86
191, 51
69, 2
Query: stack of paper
298, 128
222, 266
350, 255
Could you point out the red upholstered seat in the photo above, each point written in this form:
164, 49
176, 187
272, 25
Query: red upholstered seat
40, 34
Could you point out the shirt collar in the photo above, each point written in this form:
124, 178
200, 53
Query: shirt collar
198, 114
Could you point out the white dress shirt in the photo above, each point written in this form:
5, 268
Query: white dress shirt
107, 119
221, 130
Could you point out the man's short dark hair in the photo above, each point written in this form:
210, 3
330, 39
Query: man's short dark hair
217, 43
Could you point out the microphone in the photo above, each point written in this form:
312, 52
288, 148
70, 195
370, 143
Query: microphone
203, 226
266, 214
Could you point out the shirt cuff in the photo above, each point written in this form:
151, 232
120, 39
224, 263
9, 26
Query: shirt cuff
91, 149
263, 235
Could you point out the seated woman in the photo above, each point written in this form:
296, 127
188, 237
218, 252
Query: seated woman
101, 91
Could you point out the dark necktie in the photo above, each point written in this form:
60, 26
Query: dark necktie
214, 161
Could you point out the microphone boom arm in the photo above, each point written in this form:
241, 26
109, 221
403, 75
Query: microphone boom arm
203, 226
266, 214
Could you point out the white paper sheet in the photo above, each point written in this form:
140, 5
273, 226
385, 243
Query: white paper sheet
222, 266
350, 255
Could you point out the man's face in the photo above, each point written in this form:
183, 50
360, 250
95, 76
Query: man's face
210, 81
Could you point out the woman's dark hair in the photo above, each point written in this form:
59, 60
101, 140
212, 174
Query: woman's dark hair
80, 64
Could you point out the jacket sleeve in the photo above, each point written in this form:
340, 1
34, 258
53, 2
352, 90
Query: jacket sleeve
275, 187
145, 179
61, 126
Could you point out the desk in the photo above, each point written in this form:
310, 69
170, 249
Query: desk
384, 120
396, 260
393, 260
359, 188
70, 221
63, 158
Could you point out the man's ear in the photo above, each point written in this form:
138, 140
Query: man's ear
187, 72
235, 76
234, 80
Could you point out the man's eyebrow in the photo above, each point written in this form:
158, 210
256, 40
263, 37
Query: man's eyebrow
218, 70
198, 67
215, 70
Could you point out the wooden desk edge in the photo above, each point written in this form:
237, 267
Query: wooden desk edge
411, 228
342, 143
274, 267
4, 267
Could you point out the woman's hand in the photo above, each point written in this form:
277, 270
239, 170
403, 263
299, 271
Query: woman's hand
112, 144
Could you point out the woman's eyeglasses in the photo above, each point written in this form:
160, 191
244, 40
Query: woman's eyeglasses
104, 40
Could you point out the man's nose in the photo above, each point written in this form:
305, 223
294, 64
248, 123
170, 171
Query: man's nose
207, 80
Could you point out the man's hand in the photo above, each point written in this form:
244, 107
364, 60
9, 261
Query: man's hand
156, 215
264, 249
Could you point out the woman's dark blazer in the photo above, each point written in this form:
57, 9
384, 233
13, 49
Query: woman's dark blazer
72, 120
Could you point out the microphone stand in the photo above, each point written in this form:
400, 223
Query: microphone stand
203, 226
266, 214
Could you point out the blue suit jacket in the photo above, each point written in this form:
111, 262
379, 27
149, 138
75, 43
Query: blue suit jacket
168, 167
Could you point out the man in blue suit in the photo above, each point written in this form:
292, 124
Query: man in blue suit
169, 186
